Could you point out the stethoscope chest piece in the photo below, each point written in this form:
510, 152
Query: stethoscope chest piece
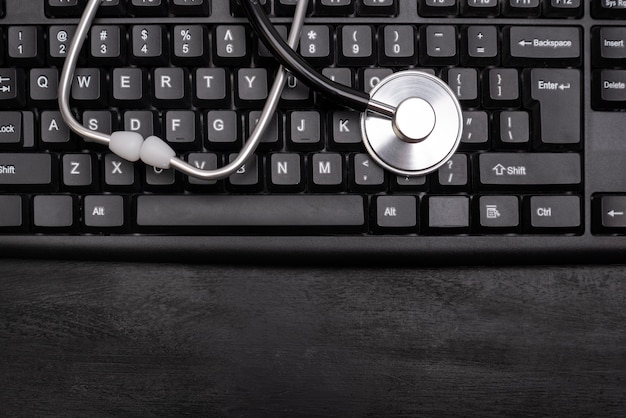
425, 130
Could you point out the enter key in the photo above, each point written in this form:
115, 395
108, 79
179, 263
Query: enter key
558, 93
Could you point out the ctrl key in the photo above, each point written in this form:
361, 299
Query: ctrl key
11, 211
561, 212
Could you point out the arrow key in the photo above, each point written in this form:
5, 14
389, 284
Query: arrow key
613, 211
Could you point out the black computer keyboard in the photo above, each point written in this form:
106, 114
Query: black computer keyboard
540, 174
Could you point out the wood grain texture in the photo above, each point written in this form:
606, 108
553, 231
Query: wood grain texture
115, 339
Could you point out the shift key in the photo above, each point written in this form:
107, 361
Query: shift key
530, 169
25, 169
558, 93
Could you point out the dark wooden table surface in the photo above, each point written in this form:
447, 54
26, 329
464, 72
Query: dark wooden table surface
116, 339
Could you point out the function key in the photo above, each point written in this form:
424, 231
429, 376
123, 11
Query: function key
112, 8
563, 8
438, 8
608, 9
237, 10
62, 8
148, 7
288, 7
377, 7
190, 7
609, 44
521, 8
480, 8
334, 7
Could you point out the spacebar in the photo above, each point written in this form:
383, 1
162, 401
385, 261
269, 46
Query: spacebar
260, 210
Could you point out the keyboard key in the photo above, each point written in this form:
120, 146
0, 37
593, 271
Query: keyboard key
230, 45
12, 87
332, 211
252, 87
77, 170
128, 86
203, 161
223, 128
327, 170
87, 86
464, 84
286, 171
107, 47
367, 174
448, 212
288, 7
118, 172
438, 7
396, 212
305, 130
59, 38
189, 44
148, 45
454, 172
527, 169
503, 88
345, 128
181, 127
44, 85
608, 9
514, 127
53, 129
141, 121
398, 46
480, 7
475, 127
499, 211
563, 8
170, 86
62, 8
555, 211
521, 8
316, 44
370, 77
25, 45
272, 138
105, 211
549, 45
10, 127
558, 92
377, 7
11, 214
334, 7
148, 7
25, 169
612, 211
609, 44
357, 45
211, 87
190, 7
53, 211
609, 89
441, 45
482, 46
248, 176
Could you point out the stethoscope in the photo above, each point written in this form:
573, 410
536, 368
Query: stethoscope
411, 121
